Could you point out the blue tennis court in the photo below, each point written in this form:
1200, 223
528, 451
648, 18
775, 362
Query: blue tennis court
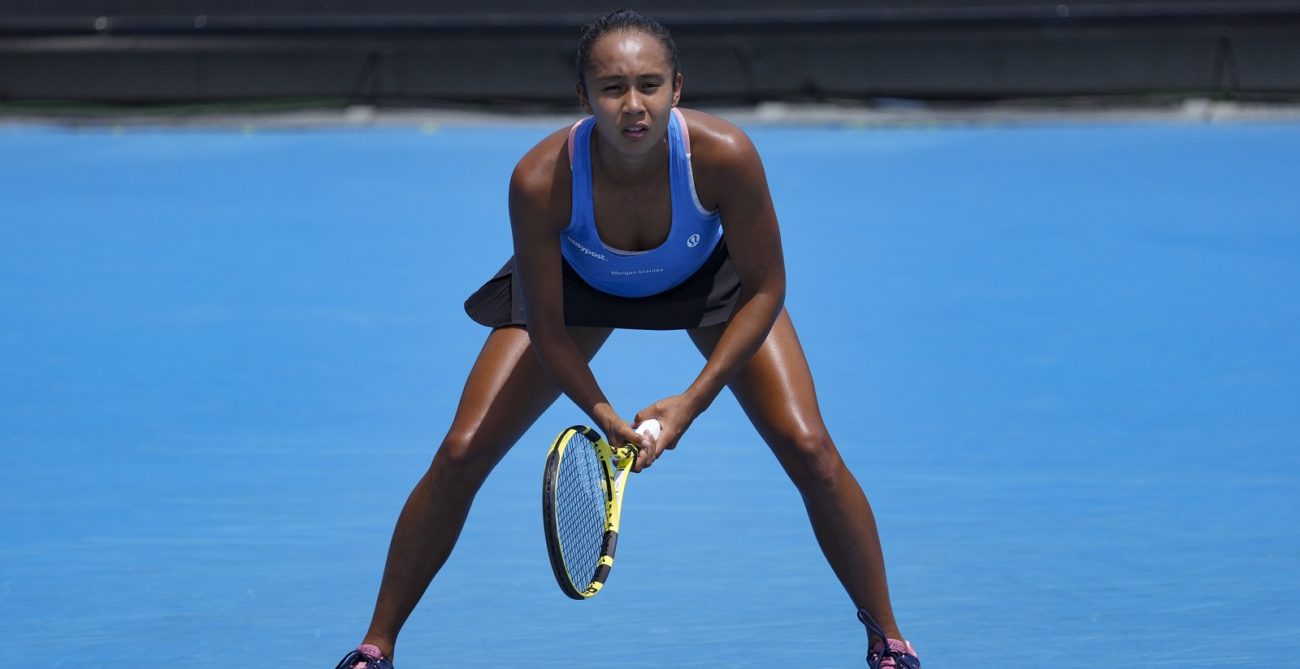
1062, 358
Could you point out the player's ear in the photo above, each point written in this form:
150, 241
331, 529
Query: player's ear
677, 88
582, 97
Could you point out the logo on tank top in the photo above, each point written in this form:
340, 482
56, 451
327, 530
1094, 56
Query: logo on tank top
580, 247
693, 241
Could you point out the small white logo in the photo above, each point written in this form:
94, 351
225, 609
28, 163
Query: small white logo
693, 241
597, 256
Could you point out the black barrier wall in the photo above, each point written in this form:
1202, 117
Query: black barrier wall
402, 52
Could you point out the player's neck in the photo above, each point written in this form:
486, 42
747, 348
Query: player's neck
629, 170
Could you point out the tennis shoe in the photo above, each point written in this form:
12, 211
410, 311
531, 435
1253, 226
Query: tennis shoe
365, 656
888, 653
900, 655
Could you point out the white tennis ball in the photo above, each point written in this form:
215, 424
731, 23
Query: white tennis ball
651, 427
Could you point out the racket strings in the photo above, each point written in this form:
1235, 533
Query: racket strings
580, 510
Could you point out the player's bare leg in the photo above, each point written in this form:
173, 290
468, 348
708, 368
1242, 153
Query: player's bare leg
506, 392
776, 391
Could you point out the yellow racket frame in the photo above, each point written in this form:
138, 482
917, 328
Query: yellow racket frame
616, 464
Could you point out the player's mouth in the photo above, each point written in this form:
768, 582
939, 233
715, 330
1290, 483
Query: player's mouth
635, 131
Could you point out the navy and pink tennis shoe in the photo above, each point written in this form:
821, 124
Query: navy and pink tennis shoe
888, 653
365, 656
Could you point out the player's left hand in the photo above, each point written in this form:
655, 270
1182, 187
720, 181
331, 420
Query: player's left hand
675, 414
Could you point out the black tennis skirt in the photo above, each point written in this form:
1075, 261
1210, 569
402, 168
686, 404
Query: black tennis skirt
708, 297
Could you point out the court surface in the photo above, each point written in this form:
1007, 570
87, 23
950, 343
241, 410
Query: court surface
1062, 358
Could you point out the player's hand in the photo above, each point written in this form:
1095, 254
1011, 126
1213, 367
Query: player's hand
648, 444
617, 431
675, 414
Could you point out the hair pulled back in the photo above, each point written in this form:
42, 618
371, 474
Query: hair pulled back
625, 20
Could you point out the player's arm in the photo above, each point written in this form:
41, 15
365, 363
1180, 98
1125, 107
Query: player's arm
754, 243
539, 210
728, 168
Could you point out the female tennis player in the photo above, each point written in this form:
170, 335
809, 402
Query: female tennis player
641, 215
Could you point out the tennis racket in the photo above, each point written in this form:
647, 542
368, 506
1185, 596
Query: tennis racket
582, 499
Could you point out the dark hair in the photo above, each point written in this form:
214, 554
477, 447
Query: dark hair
624, 20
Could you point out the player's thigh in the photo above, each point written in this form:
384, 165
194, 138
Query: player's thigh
775, 389
507, 390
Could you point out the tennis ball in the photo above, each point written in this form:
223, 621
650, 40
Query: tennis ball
651, 427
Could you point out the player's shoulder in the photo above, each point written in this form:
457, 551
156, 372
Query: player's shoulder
717, 141
537, 171
724, 161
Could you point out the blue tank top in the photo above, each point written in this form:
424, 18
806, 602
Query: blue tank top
693, 235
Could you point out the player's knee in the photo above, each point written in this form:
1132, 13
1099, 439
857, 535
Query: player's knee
810, 458
463, 459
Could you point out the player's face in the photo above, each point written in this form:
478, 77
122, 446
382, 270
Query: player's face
631, 90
